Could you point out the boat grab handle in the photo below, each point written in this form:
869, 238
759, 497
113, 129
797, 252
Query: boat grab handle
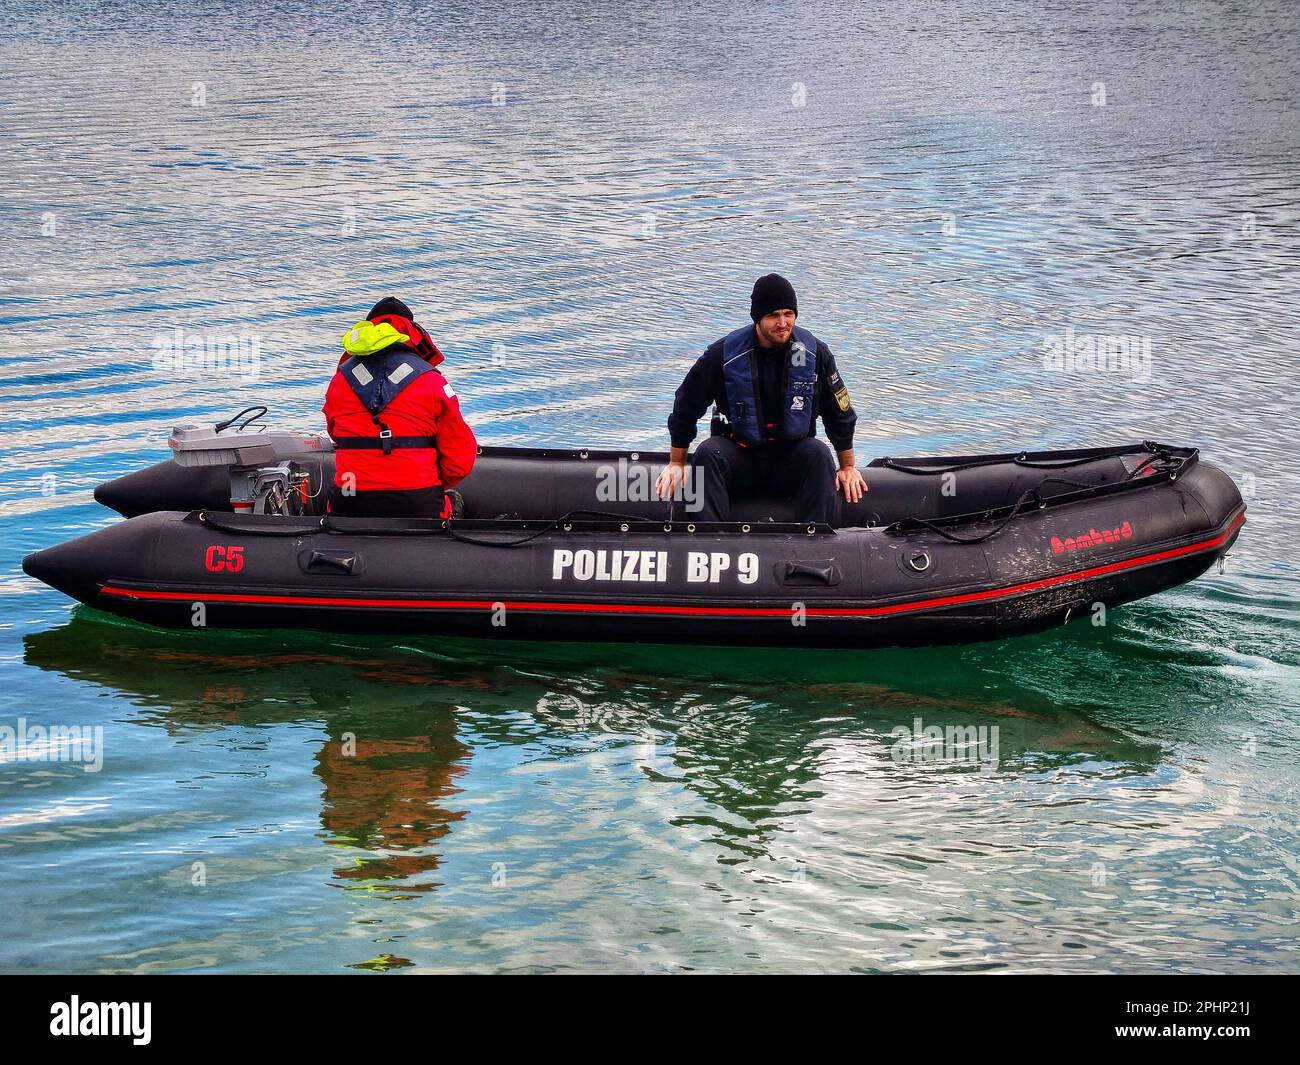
803, 573
331, 562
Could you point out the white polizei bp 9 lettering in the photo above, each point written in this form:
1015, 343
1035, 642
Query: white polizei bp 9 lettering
609, 565
645, 567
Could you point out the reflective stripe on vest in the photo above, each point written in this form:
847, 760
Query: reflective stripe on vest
379, 379
795, 420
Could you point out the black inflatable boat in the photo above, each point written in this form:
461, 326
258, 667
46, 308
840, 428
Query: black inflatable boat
558, 544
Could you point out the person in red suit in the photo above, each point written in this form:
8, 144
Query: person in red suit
400, 439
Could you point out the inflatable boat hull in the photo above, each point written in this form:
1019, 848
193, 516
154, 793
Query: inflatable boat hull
1034, 566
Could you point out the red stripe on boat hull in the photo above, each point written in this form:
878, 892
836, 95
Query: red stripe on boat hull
685, 611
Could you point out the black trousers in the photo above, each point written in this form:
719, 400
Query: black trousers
417, 503
799, 470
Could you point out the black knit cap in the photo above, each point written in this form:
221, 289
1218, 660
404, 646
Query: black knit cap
772, 292
391, 305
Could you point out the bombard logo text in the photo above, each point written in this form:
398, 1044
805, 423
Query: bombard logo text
1092, 538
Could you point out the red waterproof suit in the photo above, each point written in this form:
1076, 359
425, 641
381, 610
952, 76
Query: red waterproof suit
425, 409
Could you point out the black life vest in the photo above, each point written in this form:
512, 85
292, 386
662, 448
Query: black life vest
746, 422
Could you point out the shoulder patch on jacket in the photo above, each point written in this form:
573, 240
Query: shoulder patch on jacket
841, 393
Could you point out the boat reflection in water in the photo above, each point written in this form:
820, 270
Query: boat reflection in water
749, 747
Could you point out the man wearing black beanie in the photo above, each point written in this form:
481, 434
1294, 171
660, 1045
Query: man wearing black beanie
770, 381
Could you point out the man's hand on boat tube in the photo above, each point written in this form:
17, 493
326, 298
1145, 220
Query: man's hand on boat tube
673, 474
848, 480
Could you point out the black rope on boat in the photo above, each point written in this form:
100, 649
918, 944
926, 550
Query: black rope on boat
975, 464
1025, 463
434, 527
934, 527
425, 528
552, 526
1158, 454
215, 520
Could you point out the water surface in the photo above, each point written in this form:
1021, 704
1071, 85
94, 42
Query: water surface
576, 201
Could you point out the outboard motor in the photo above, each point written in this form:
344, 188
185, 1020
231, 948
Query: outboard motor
264, 476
